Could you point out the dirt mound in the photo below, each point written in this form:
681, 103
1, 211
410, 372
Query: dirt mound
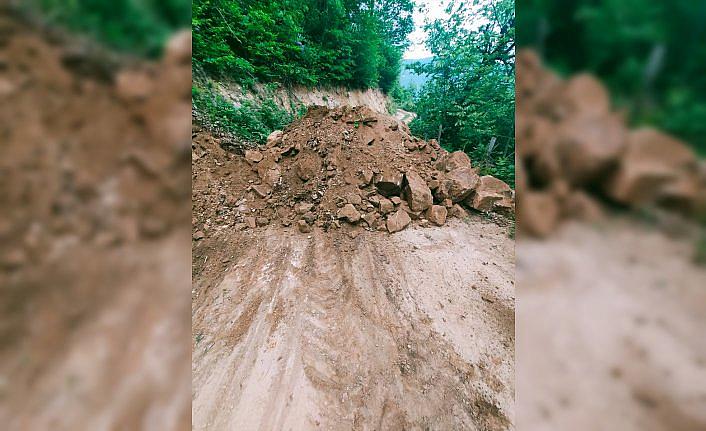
338, 168
575, 154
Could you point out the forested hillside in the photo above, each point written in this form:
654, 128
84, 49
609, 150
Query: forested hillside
352, 43
468, 102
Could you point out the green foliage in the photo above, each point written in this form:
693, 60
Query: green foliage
353, 43
468, 103
250, 122
650, 53
140, 27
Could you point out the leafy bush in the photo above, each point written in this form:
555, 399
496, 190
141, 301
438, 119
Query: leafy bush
250, 122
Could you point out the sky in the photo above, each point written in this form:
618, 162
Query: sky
434, 10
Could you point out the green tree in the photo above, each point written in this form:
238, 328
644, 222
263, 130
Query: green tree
469, 101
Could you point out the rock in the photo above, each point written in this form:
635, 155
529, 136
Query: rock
437, 214
262, 190
309, 217
398, 221
458, 184
452, 161
386, 206
269, 172
133, 85
262, 221
396, 200
651, 161
375, 200
253, 156
14, 259
588, 147
354, 198
537, 213
389, 183
458, 211
370, 218
586, 96
404, 206
303, 207
433, 184
251, 222
490, 190
275, 138
366, 176
410, 146
580, 206
303, 226
448, 203
198, 235
349, 213
418, 193
307, 165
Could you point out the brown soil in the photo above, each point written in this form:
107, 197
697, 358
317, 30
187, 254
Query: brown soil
327, 159
295, 331
92, 256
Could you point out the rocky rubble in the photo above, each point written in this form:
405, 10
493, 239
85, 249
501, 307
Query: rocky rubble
575, 155
343, 168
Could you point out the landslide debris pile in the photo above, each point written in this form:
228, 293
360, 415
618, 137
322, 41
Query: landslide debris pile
575, 154
338, 168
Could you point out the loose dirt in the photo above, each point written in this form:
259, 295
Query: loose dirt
407, 331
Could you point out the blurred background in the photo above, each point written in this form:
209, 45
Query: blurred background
95, 184
611, 297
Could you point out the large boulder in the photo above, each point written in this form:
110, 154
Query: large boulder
398, 221
457, 185
537, 213
417, 192
489, 192
437, 214
455, 160
651, 163
589, 147
389, 182
585, 95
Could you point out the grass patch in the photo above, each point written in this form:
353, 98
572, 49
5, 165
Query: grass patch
249, 123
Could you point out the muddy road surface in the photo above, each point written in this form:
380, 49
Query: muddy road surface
322, 331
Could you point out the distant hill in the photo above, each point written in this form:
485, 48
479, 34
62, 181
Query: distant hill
410, 79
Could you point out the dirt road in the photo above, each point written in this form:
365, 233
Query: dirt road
611, 322
320, 331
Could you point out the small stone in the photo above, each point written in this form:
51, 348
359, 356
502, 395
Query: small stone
398, 221
262, 221
303, 226
349, 213
396, 200
261, 190
437, 214
309, 217
386, 206
253, 156
198, 235
354, 198
303, 207
251, 222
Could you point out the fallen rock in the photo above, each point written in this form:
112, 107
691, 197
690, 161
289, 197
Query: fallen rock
386, 205
198, 235
303, 207
652, 160
251, 222
437, 214
398, 221
389, 183
349, 213
262, 221
253, 156
275, 138
354, 198
306, 167
417, 192
452, 161
490, 190
458, 184
537, 213
262, 190
580, 206
303, 226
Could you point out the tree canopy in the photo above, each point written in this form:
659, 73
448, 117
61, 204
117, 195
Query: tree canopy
469, 99
352, 43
